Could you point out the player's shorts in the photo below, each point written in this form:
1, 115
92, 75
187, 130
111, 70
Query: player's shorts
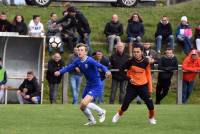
93, 91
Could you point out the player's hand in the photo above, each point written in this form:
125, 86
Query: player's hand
57, 73
108, 74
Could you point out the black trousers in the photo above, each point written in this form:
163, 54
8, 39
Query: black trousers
132, 92
162, 89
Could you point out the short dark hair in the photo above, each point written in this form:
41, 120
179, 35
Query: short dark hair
138, 46
169, 49
52, 14
30, 73
82, 45
35, 16
3, 13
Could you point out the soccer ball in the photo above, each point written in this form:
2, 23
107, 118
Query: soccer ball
55, 42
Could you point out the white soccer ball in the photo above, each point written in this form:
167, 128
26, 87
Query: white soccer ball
55, 42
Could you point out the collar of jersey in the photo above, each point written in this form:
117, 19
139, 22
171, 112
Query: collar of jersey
83, 60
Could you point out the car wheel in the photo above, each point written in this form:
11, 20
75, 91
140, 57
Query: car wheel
29, 2
128, 3
42, 3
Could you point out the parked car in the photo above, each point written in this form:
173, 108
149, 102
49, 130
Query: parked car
124, 3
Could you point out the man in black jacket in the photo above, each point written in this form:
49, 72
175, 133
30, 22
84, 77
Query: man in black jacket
113, 30
164, 32
29, 91
117, 60
54, 64
167, 63
5, 25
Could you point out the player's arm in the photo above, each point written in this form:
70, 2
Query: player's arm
65, 69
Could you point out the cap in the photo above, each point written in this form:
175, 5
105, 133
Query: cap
184, 18
71, 9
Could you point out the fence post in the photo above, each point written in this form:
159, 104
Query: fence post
180, 83
65, 88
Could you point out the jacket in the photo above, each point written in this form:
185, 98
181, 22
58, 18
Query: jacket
190, 64
163, 30
139, 72
184, 27
152, 53
32, 86
5, 26
53, 67
167, 64
112, 28
21, 28
135, 29
52, 31
117, 61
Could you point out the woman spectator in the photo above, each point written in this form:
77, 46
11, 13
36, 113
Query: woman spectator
197, 37
184, 35
135, 31
19, 25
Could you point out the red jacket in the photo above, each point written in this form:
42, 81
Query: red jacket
190, 64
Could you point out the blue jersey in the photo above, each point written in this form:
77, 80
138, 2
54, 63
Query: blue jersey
89, 67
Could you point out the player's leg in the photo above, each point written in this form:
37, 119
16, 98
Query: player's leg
144, 94
130, 95
83, 106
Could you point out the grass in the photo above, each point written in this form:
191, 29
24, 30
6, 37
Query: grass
98, 16
67, 119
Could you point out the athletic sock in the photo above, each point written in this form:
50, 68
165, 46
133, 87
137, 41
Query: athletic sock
95, 108
151, 114
88, 114
120, 112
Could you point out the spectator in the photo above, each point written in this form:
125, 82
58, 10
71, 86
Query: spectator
118, 59
135, 31
184, 34
3, 80
167, 63
99, 57
35, 27
164, 32
5, 25
191, 64
75, 77
197, 37
54, 64
113, 30
19, 25
68, 30
29, 91
53, 30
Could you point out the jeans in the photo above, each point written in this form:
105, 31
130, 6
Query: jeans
187, 44
111, 42
187, 90
75, 81
159, 39
100, 99
53, 91
114, 87
134, 39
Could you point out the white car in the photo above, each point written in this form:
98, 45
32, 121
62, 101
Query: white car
124, 3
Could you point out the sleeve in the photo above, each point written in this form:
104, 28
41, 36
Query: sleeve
125, 66
86, 25
61, 20
25, 32
161, 66
106, 30
149, 78
22, 86
177, 31
121, 31
142, 30
158, 30
68, 68
129, 30
98, 65
37, 89
170, 29
4, 79
175, 65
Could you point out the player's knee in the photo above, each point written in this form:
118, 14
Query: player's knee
82, 107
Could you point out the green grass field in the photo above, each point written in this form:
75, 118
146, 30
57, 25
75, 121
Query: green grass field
67, 119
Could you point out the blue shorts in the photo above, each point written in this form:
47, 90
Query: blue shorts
93, 91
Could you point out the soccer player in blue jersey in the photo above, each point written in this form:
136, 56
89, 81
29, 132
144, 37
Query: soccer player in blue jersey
89, 67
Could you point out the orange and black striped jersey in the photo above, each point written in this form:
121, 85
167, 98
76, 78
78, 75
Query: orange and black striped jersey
139, 72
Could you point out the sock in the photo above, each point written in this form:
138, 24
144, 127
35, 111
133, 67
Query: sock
95, 108
20, 99
1, 95
120, 112
151, 114
88, 114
